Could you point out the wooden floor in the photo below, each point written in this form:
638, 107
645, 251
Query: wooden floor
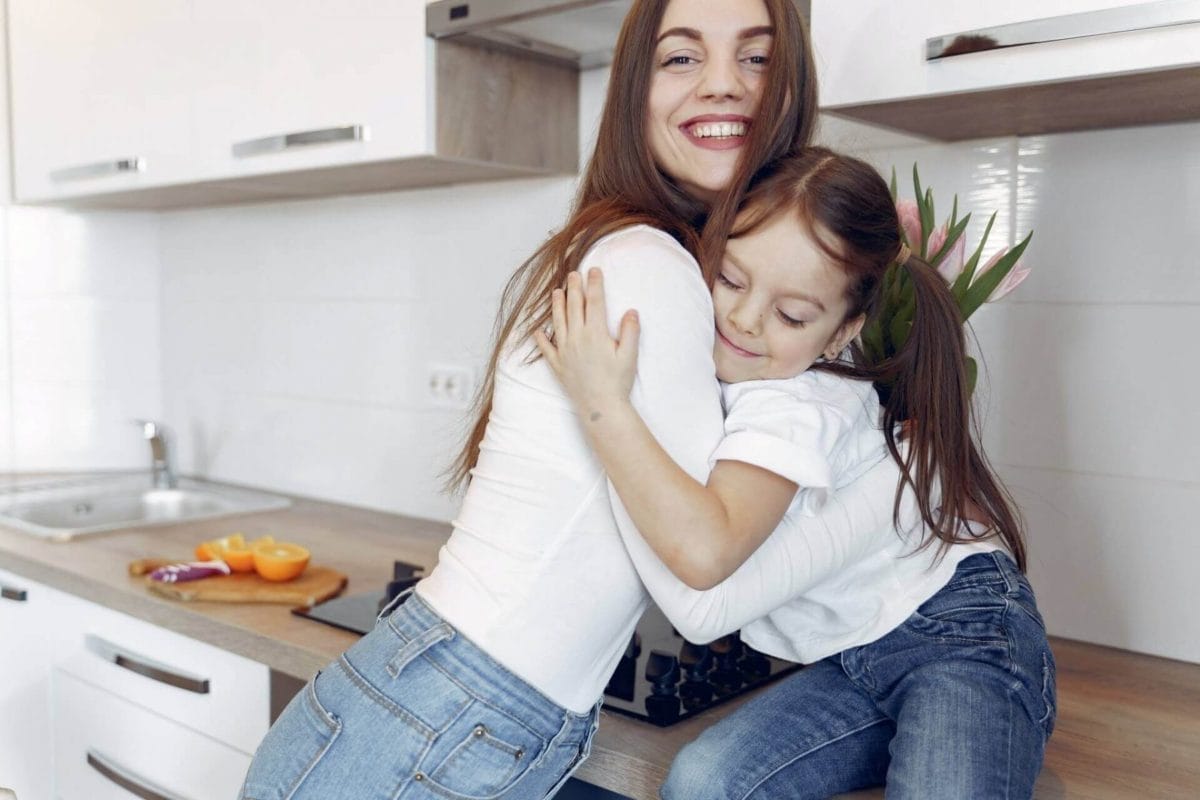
1128, 727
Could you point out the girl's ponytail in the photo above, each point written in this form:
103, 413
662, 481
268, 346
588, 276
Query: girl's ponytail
926, 396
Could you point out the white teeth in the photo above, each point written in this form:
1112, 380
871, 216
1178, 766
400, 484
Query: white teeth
718, 130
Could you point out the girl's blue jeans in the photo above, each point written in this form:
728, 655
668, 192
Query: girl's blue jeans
415, 710
955, 703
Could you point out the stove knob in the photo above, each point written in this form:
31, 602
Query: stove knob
696, 661
662, 670
754, 666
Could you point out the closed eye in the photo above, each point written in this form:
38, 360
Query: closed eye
721, 278
791, 321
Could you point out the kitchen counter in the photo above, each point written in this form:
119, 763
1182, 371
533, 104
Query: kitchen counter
629, 756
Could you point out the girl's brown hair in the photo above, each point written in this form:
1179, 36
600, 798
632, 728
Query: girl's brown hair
622, 186
847, 208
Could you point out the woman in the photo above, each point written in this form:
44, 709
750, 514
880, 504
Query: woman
485, 682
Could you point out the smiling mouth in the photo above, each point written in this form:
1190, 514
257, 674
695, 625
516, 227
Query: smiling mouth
716, 130
738, 350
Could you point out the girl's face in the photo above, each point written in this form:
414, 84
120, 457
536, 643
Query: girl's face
780, 303
710, 64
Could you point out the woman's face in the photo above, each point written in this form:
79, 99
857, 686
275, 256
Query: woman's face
710, 64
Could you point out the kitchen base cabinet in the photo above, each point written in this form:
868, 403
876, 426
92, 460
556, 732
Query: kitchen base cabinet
94, 702
107, 748
195, 684
26, 615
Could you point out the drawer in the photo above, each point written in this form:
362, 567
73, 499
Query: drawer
110, 749
203, 687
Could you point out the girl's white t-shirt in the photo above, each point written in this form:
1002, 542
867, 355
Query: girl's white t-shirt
545, 570
822, 432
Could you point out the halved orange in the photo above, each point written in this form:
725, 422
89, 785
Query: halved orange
241, 559
215, 548
279, 561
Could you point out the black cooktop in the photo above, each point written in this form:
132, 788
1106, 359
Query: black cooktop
661, 678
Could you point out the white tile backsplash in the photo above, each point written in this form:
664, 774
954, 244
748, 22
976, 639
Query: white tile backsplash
382, 457
1116, 215
111, 255
1113, 559
1093, 388
68, 425
6, 426
328, 318
73, 338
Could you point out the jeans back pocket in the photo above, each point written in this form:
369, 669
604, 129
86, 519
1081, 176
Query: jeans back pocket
481, 755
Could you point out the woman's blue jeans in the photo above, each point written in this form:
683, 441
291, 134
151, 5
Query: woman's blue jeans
415, 710
956, 703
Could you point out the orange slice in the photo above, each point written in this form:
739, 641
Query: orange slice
279, 561
241, 559
215, 548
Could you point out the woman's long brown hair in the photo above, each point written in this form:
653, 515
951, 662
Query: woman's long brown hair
924, 388
623, 187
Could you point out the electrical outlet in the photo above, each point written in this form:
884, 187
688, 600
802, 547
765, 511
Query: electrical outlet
450, 385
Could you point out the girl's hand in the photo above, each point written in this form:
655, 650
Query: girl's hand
595, 369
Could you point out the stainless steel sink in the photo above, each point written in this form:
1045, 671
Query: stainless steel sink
66, 509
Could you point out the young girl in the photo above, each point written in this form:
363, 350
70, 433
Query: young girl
930, 667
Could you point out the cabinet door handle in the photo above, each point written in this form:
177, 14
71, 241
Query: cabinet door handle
1135, 17
127, 779
290, 141
100, 169
13, 593
145, 666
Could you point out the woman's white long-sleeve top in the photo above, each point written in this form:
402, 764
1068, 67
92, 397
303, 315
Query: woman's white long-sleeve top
545, 570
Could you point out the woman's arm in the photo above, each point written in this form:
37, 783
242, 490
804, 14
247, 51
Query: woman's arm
703, 532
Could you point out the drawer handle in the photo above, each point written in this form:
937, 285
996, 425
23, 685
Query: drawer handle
126, 779
1136, 17
289, 141
13, 593
100, 169
145, 666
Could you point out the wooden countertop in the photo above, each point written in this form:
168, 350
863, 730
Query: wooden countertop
1125, 720
628, 756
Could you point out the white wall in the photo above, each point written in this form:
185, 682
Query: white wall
1089, 400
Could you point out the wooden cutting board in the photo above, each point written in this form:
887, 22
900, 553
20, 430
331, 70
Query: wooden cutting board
316, 584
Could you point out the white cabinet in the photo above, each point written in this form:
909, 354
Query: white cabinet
27, 613
100, 93
92, 700
109, 749
170, 103
287, 69
871, 58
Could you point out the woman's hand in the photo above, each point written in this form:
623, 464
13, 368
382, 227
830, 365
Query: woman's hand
595, 369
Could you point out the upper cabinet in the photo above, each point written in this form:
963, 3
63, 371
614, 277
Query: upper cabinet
170, 103
951, 70
98, 93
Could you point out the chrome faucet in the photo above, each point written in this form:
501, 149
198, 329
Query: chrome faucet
156, 435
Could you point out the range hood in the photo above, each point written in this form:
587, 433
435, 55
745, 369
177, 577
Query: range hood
578, 32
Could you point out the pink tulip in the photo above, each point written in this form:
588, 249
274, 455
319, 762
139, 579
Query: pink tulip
991, 262
1011, 281
953, 262
936, 240
910, 222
